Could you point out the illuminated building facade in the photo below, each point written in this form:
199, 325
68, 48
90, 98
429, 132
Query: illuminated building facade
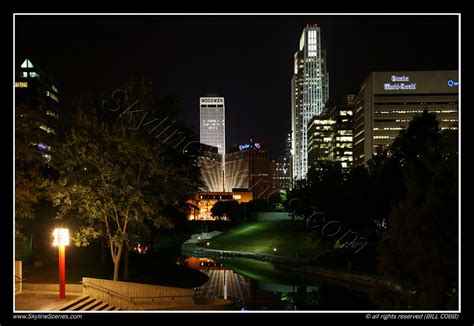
342, 138
203, 202
248, 167
320, 138
330, 135
212, 122
309, 93
210, 162
280, 174
38, 91
387, 101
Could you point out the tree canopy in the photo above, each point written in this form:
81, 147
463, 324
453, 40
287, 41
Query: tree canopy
119, 167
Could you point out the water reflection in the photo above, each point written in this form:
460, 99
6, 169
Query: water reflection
256, 285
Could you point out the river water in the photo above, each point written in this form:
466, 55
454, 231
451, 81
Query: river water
257, 285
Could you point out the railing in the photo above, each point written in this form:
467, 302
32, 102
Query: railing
135, 298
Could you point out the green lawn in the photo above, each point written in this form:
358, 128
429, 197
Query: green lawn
262, 237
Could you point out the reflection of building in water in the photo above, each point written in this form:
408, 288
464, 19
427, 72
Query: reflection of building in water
287, 293
199, 263
227, 284
204, 201
223, 282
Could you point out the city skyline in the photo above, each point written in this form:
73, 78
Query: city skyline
257, 82
237, 162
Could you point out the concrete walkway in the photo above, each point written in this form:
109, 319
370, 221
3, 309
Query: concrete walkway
41, 301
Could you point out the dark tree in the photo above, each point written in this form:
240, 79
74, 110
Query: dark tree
229, 208
421, 249
120, 168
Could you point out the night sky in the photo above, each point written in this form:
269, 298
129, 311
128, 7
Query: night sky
246, 59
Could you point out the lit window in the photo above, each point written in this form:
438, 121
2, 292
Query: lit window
47, 157
50, 113
52, 96
21, 84
47, 129
44, 147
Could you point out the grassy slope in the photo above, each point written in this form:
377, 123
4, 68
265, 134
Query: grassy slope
262, 237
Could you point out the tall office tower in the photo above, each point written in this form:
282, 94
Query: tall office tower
309, 93
35, 89
212, 122
387, 101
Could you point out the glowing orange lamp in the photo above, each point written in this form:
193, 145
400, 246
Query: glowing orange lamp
61, 240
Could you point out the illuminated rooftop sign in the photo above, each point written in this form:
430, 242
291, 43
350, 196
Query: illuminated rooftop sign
453, 83
399, 83
400, 78
212, 100
247, 146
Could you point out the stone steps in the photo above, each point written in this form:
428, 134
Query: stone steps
87, 303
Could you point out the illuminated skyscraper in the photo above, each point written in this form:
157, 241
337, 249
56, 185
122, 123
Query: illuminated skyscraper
212, 126
309, 93
212, 122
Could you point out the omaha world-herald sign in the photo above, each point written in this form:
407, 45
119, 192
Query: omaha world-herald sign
398, 83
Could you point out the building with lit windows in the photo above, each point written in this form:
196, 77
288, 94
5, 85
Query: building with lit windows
280, 174
212, 122
343, 138
387, 101
330, 135
309, 93
320, 138
203, 202
35, 89
247, 167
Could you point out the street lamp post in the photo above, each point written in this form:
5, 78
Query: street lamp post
61, 240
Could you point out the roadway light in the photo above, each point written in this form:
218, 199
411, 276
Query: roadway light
61, 240
208, 243
274, 250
